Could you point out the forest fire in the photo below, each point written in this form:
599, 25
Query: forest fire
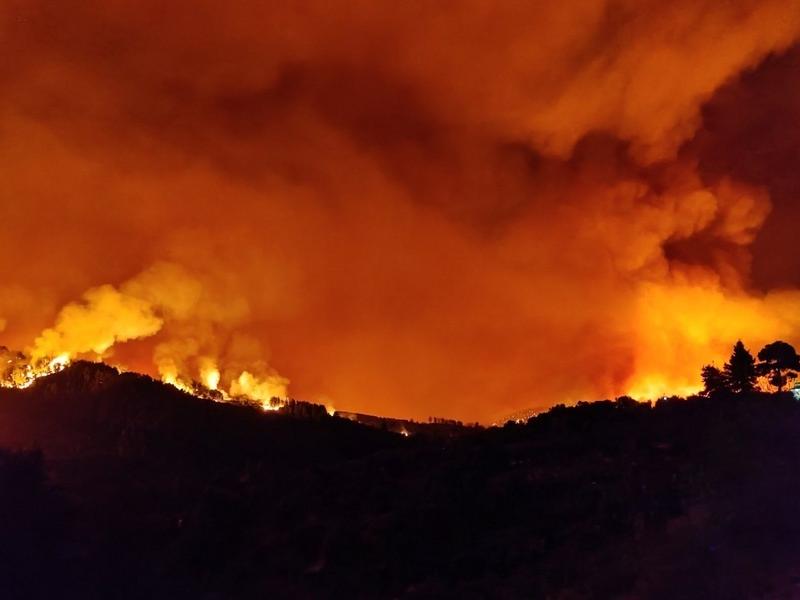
677, 327
528, 216
97, 326
271, 394
18, 372
567, 228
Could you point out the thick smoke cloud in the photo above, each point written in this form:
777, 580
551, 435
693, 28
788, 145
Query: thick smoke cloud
752, 128
401, 208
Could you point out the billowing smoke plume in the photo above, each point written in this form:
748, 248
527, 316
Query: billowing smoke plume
405, 208
194, 326
107, 316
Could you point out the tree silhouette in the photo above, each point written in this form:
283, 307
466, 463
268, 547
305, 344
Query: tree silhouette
779, 363
740, 370
714, 381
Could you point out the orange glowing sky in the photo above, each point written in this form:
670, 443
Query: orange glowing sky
413, 208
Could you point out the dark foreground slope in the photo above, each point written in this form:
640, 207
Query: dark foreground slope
143, 492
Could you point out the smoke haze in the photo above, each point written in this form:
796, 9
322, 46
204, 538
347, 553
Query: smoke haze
401, 208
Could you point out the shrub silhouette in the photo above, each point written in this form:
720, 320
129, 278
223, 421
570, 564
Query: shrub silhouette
714, 381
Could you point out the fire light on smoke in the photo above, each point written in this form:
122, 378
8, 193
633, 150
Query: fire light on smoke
163, 296
682, 326
414, 209
267, 390
209, 374
270, 392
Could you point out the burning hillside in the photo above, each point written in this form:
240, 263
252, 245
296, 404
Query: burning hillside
487, 210
20, 371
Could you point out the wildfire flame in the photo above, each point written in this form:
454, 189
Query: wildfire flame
106, 317
270, 393
20, 373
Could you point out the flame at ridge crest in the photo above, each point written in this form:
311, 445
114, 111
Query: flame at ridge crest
269, 391
683, 326
20, 372
198, 349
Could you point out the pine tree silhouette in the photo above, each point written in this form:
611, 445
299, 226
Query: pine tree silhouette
740, 370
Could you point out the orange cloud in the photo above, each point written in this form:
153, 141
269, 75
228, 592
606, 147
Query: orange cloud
407, 209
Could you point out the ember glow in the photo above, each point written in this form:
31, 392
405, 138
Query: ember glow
406, 209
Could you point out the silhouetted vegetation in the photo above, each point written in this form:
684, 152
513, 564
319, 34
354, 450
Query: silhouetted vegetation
141, 491
37, 556
778, 365
740, 370
715, 383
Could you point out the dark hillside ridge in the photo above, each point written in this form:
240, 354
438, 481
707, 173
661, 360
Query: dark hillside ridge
141, 491
90, 408
438, 427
